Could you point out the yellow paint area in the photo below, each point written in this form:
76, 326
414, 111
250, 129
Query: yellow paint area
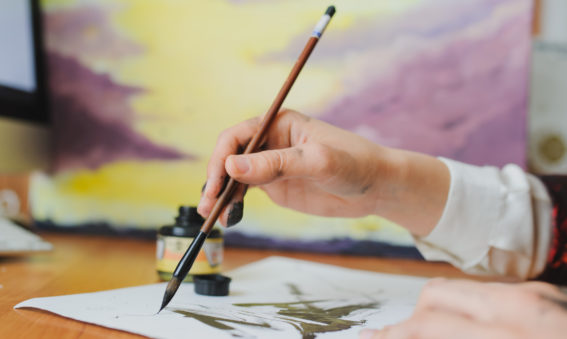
205, 66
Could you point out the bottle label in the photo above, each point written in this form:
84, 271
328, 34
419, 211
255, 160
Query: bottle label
171, 249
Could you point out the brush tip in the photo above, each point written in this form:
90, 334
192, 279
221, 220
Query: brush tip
330, 11
170, 291
165, 301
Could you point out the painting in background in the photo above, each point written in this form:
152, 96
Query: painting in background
140, 90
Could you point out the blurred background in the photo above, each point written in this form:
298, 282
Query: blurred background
130, 96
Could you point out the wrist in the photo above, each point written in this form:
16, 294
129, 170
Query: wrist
389, 176
413, 190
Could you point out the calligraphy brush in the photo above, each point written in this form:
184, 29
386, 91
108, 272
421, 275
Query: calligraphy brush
189, 257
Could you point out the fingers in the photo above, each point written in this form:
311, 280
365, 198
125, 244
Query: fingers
493, 302
540, 287
234, 141
304, 161
468, 309
231, 141
267, 166
440, 325
483, 302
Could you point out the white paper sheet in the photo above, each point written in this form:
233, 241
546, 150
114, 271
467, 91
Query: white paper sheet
272, 298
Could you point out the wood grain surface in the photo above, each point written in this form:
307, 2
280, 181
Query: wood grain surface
81, 264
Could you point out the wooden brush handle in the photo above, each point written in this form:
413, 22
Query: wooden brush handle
232, 184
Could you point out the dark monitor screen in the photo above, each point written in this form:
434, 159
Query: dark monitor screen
22, 90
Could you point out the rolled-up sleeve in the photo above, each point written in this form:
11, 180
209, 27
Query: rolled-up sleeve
496, 221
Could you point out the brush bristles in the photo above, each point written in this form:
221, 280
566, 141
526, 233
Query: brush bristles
170, 290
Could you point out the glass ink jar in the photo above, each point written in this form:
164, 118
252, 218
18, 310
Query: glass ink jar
173, 241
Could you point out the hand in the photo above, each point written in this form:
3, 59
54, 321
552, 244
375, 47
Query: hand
313, 167
467, 309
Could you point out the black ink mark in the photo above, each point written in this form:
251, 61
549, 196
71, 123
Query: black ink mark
242, 147
365, 189
305, 313
263, 147
219, 322
235, 214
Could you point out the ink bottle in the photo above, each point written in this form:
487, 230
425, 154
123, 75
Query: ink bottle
173, 241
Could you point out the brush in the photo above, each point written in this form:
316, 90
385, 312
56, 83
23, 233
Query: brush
190, 255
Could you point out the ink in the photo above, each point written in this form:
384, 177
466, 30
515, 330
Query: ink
327, 319
218, 322
307, 318
235, 213
365, 189
173, 241
263, 147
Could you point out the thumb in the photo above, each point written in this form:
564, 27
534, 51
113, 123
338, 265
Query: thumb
264, 167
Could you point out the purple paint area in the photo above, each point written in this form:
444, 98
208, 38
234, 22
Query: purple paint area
340, 246
97, 93
430, 21
237, 239
86, 31
466, 100
92, 119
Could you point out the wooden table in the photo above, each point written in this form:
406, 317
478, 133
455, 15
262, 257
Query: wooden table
82, 264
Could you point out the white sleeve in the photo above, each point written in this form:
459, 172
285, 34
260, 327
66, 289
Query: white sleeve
495, 221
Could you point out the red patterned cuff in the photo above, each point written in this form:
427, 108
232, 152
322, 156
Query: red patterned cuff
556, 269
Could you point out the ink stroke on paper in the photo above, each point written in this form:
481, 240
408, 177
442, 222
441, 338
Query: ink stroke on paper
275, 297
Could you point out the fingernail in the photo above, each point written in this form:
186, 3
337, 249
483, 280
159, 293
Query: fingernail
204, 186
235, 214
200, 210
242, 164
366, 334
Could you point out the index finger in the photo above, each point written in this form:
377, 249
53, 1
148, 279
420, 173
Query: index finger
231, 141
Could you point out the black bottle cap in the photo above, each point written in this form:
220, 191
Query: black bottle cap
189, 217
211, 284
